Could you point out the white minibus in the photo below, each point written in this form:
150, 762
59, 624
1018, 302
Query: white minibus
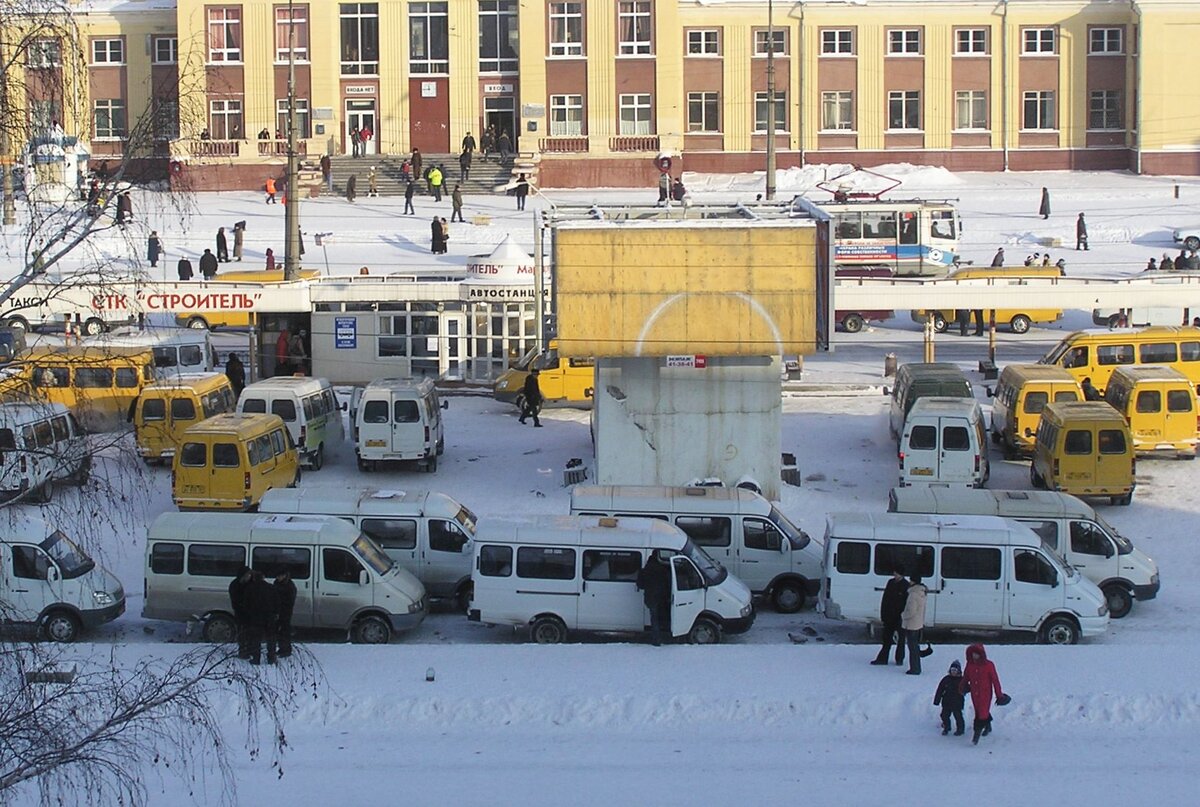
396, 420
309, 408
40, 444
944, 443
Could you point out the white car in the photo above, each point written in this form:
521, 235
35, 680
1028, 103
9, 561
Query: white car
1188, 236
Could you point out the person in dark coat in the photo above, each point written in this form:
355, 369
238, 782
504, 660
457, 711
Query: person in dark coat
504, 146
891, 606
351, 187
437, 237
963, 317
153, 248
327, 171
410, 189
654, 581
222, 246
239, 236
998, 258
262, 612
664, 187
1081, 233
978, 313
522, 190
464, 165
1166, 264
981, 680
285, 591
677, 190
1090, 393
1044, 208
121, 215
417, 159
456, 199
184, 268
270, 260
237, 602
468, 143
235, 371
950, 696
208, 265
532, 395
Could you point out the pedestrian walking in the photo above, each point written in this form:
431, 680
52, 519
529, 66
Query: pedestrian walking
153, 248
262, 611
456, 200
978, 312
327, 171
208, 265
1044, 208
445, 233
963, 317
235, 371
981, 680
125, 202
504, 146
532, 399
285, 592
664, 187
435, 182
437, 244
409, 189
487, 143
522, 191
271, 190
654, 581
351, 187
950, 695
269, 263
468, 143
184, 268
298, 352
418, 169
372, 183
464, 166
222, 246
122, 216
998, 258
891, 608
1081, 238
912, 622
237, 603
239, 237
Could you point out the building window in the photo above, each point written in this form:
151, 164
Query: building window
904, 41
904, 110
225, 119
1106, 41
166, 50
45, 53
44, 113
1104, 109
225, 34
633, 27
566, 29
837, 111
763, 37
970, 109
635, 114
360, 37
428, 38
704, 42
1038, 112
166, 119
289, 21
498, 36
970, 41
704, 109
108, 51
1038, 40
837, 42
281, 117
760, 112
566, 115
108, 119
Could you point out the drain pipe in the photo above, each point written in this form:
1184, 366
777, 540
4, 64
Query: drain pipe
1004, 82
1137, 65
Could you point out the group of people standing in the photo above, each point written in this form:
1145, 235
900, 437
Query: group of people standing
1188, 260
263, 613
209, 263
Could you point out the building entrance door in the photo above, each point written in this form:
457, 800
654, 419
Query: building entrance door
359, 114
454, 345
499, 112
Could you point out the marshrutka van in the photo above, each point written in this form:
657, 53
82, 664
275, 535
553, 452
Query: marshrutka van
747, 534
176, 350
344, 580
1017, 319
943, 443
307, 406
561, 380
1159, 404
557, 574
1084, 449
1096, 353
982, 572
40, 444
48, 581
1021, 394
922, 380
167, 408
229, 461
1066, 525
397, 419
429, 534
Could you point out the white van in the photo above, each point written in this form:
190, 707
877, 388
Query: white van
1066, 524
309, 408
562, 573
429, 534
48, 581
344, 580
176, 350
40, 444
983, 573
397, 419
944, 443
747, 534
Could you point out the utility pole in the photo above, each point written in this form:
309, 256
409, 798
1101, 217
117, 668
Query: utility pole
6, 158
770, 100
291, 207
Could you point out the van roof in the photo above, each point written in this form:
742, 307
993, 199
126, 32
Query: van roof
416, 386
930, 529
1003, 503
1116, 334
581, 531
300, 385
1149, 372
663, 498
83, 354
18, 413
252, 528
199, 382
1082, 410
943, 405
976, 272
931, 368
157, 338
1036, 372
232, 423
338, 500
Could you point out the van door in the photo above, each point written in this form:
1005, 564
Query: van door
1180, 419
1077, 463
764, 552
374, 426
408, 430
609, 599
447, 558
182, 414
687, 595
30, 589
339, 593
1091, 551
969, 587
398, 537
919, 453
714, 533
1032, 588
956, 460
227, 474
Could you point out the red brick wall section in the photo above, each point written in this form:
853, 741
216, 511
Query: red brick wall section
1185, 163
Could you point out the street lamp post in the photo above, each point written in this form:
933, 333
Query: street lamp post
291, 208
770, 100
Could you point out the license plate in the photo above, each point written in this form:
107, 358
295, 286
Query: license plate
922, 472
376, 443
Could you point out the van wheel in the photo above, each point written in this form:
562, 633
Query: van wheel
45, 493
93, 326
61, 626
705, 631
1120, 600
1192, 242
219, 629
431, 464
853, 323
1020, 324
16, 324
371, 630
939, 322
788, 597
1035, 478
1059, 630
548, 630
363, 465
1123, 501
441, 449
318, 461
296, 479
198, 324
463, 597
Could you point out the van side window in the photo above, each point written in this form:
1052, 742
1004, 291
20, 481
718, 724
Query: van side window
263, 445
1112, 441
330, 401
1079, 441
687, 576
1035, 402
44, 432
655, 516
254, 452
1149, 401
760, 534
254, 406
286, 409
307, 404
922, 438
1179, 400
1159, 353
28, 438
8, 441
1064, 396
1031, 567
1075, 357
52, 376
1086, 539
29, 563
970, 563
407, 412
375, 412
93, 377
277, 442
495, 561
611, 565
166, 558
225, 455
275, 560
391, 533
340, 565
545, 563
193, 455
190, 356
1046, 530
183, 409
127, 377
1189, 351
956, 438
1114, 354
61, 430
705, 530
164, 357
549, 360
444, 536
216, 560
852, 557
911, 558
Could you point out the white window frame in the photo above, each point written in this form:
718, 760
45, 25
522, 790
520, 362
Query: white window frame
300, 19
976, 102
837, 42
491, 18
1105, 41
760, 42
703, 42
1105, 98
562, 15
226, 19
641, 104
905, 98
841, 104
971, 42
104, 50
566, 115
228, 109
44, 53
303, 117
760, 108
112, 106
1039, 42
167, 108
703, 102
172, 50
904, 42
639, 15
427, 12
1045, 101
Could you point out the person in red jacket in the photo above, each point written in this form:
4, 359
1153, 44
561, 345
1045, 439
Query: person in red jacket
981, 680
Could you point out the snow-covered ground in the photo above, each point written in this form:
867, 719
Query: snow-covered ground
608, 720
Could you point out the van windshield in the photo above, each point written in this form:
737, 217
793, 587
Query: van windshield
72, 561
1053, 552
1055, 353
714, 573
798, 537
525, 361
1124, 545
372, 555
466, 519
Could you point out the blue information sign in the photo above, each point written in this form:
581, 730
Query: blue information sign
345, 333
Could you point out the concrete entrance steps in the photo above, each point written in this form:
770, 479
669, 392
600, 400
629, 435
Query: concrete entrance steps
484, 178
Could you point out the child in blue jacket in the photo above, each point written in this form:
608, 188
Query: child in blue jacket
950, 696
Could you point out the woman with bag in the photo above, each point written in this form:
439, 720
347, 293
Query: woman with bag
912, 622
982, 681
